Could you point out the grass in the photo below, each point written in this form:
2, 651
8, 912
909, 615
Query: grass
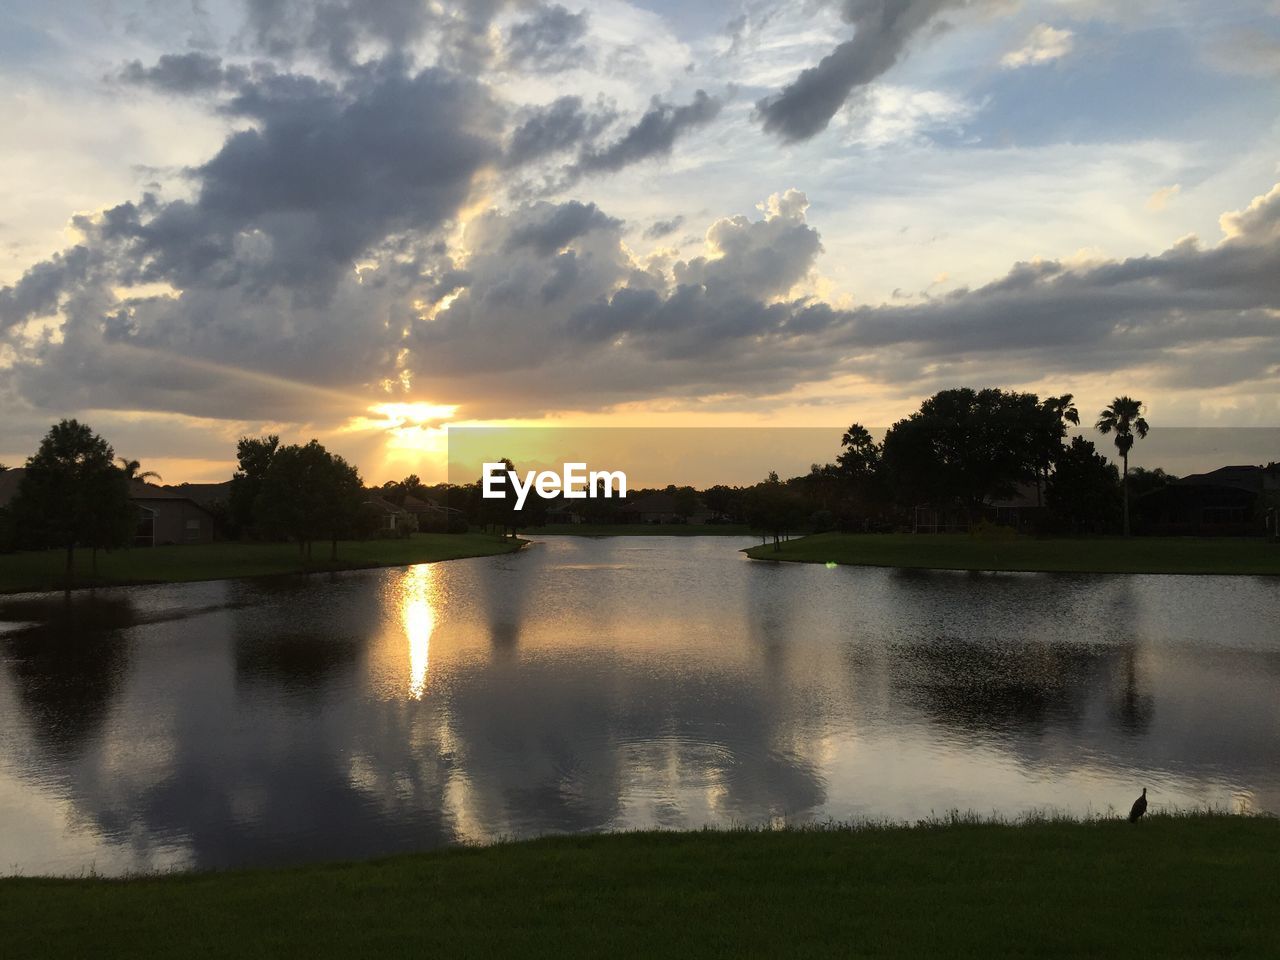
1096, 555
1170, 886
45, 570
641, 530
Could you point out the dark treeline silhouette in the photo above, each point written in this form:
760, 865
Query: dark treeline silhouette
966, 458
75, 493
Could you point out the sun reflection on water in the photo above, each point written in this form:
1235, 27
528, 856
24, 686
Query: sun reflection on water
418, 612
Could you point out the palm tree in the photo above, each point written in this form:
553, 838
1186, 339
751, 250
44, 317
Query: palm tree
1124, 417
1058, 411
131, 468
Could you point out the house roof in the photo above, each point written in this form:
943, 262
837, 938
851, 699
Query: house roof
203, 493
414, 505
141, 490
1242, 477
386, 506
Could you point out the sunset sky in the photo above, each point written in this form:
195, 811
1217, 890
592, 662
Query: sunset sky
362, 221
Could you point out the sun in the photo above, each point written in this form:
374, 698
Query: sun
409, 428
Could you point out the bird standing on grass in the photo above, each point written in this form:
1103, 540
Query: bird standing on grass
1139, 807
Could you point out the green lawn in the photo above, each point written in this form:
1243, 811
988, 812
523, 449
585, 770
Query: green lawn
641, 530
1097, 555
1183, 886
218, 561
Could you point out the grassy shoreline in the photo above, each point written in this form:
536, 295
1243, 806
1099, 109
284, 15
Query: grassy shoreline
44, 570
1182, 555
1170, 886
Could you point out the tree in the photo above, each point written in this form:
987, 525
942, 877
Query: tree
297, 497
131, 469
773, 509
1055, 414
964, 446
861, 457
1123, 418
344, 492
1083, 493
254, 456
72, 493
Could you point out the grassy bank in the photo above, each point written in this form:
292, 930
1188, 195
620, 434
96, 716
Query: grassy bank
1097, 555
219, 561
1167, 887
641, 530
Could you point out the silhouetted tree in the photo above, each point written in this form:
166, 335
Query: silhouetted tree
1083, 493
774, 509
132, 470
860, 456
343, 493
1056, 413
964, 445
72, 493
254, 456
1123, 417
295, 499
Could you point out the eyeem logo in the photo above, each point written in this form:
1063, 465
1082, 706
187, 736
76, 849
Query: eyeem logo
573, 483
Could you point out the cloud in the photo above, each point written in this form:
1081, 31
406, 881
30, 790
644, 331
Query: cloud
1254, 52
548, 228
183, 74
731, 322
336, 29
882, 31
664, 228
562, 125
1043, 44
1160, 198
653, 135
548, 41
548, 309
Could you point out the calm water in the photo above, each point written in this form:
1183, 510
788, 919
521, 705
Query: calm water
598, 684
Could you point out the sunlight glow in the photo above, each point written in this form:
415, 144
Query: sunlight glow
418, 612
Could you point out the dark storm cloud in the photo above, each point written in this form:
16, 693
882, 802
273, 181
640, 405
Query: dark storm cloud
552, 226
882, 30
40, 289
326, 173
664, 228
548, 41
562, 125
183, 74
653, 135
334, 28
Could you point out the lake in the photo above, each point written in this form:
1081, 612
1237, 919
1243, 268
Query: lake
600, 684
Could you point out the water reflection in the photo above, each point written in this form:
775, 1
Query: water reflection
419, 617
585, 685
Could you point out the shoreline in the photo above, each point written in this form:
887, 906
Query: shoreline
234, 560
1192, 884
1166, 556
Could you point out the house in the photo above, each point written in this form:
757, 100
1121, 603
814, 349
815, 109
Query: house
1018, 510
205, 494
164, 515
1231, 501
390, 518
663, 508
168, 517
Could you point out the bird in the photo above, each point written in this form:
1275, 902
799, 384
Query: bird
1139, 807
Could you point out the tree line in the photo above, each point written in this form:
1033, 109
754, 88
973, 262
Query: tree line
75, 493
961, 450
